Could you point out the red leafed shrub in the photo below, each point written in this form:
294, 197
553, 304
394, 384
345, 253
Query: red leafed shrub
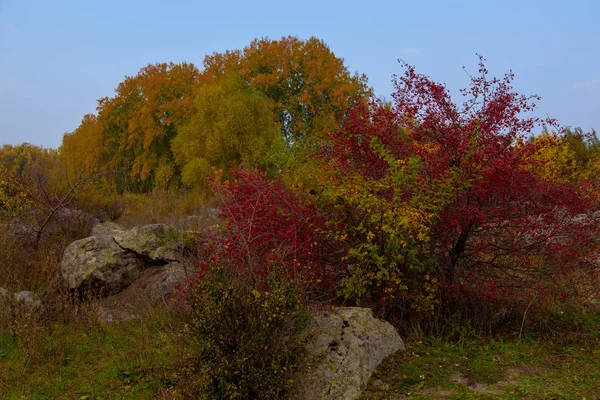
268, 226
466, 178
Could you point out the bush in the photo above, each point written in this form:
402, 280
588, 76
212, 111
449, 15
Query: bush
249, 341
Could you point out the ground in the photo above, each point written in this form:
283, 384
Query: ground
529, 367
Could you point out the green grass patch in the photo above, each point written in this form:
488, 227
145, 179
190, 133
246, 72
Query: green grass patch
133, 360
551, 366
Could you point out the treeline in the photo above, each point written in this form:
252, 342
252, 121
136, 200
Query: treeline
171, 125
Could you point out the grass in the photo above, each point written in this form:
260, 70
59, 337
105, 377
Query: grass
86, 360
133, 360
551, 366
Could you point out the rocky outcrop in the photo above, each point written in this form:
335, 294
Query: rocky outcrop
349, 343
156, 243
113, 258
107, 228
99, 264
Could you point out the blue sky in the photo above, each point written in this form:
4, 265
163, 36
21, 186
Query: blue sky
58, 57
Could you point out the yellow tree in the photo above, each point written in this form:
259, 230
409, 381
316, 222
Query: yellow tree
14, 198
233, 126
569, 157
80, 150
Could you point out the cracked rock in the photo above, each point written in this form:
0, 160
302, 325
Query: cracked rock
155, 286
158, 243
100, 264
348, 345
113, 258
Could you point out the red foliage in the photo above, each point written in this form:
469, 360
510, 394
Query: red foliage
269, 227
503, 226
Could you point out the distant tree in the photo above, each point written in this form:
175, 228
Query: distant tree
570, 156
14, 198
232, 127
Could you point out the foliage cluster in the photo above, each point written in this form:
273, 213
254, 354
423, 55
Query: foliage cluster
450, 203
424, 209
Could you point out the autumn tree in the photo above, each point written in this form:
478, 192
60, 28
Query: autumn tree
232, 127
35, 192
309, 86
568, 156
139, 122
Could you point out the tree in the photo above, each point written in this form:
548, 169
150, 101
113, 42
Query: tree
139, 123
33, 190
232, 127
309, 86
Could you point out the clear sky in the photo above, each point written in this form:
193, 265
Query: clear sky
57, 57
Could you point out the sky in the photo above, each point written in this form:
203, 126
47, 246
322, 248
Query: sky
57, 58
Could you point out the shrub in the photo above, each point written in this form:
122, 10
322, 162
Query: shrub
249, 340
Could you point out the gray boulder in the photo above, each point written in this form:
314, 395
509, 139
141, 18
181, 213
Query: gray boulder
348, 345
100, 264
113, 257
158, 243
107, 228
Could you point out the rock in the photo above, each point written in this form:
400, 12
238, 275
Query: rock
107, 228
349, 344
158, 243
112, 258
155, 286
75, 216
22, 305
99, 263
19, 232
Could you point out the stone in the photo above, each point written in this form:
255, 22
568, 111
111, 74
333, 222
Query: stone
113, 257
107, 228
158, 243
99, 263
349, 343
22, 305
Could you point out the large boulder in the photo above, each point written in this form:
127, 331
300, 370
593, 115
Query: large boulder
113, 257
107, 228
349, 343
100, 264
